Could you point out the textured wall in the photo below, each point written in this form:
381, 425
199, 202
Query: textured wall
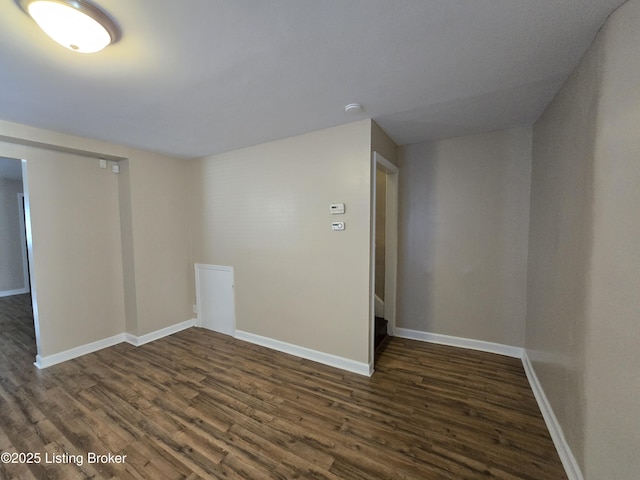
101, 238
264, 210
464, 206
584, 264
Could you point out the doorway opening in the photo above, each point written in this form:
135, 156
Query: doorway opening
384, 250
19, 315
22, 214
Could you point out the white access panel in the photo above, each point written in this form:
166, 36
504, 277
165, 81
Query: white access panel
215, 298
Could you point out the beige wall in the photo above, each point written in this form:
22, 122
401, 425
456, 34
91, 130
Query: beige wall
613, 340
383, 144
464, 206
584, 266
264, 210
99, 239
77, 268
161, 252
11, 272
127, 244
559, 246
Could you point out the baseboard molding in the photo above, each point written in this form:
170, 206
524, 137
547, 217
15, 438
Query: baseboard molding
303, 352
50, 360
9, 293
555, 430
163, 332
471, 344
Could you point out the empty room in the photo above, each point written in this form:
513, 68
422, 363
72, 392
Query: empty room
342, 239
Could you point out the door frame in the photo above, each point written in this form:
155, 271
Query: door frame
29, 241
23, 241
391, 248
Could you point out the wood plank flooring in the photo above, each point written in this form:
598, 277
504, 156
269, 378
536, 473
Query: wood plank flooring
202, 405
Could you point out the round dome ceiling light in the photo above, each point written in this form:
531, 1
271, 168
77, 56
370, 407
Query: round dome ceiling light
75, 24
353, 108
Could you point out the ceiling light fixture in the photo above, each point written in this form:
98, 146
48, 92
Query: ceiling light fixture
75, 24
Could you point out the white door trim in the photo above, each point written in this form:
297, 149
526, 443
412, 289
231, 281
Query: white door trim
29, 241
391, 246
23, 243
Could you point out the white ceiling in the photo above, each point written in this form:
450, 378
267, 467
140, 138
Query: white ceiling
191, 78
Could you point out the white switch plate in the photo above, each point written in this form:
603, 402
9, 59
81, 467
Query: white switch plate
195, 308
115, 168
336, 208
337, 226
103, 163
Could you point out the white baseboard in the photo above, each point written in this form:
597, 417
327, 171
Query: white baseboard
490, 347
163, 332
303, 352
9, 293
555, 430
49, 360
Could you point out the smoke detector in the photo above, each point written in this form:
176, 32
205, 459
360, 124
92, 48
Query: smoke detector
353, 108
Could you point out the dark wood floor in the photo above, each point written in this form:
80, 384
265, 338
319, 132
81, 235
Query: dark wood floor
202, 405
